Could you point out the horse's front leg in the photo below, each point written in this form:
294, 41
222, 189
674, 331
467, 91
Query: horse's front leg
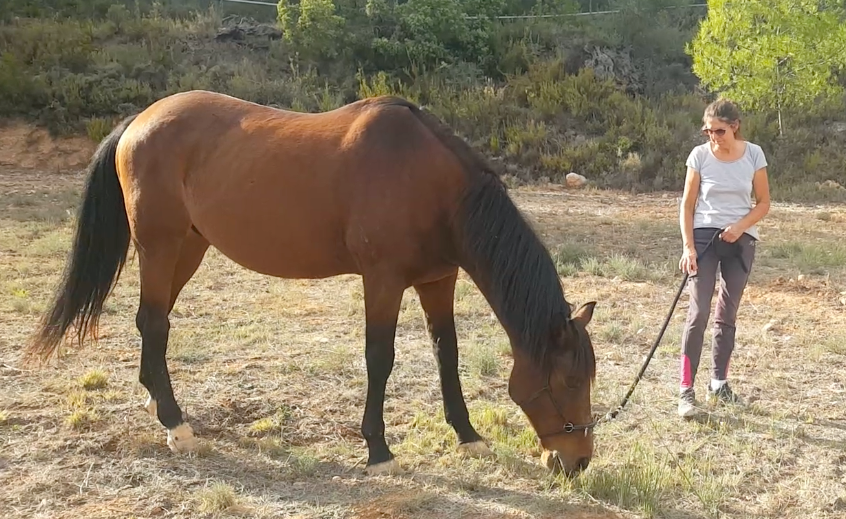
436, 298
382, 299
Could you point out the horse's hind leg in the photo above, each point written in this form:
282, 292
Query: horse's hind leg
193, 250
436, 298
164, 252
191, 255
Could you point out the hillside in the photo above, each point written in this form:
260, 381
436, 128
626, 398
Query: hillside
608, 96
272, 374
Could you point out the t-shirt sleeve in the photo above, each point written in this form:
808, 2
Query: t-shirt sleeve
758, 157
694, 160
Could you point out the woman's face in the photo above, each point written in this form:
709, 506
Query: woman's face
719, 132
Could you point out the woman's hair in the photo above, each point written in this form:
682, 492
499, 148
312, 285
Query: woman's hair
725, 111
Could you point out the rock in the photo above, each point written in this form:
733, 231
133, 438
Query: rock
575, 180
769, 326
246, 27
616, 65
230, 34
839, 503
829, 184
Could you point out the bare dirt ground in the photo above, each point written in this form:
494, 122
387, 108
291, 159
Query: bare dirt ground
271, 373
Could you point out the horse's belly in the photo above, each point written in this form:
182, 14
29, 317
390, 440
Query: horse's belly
289, 262
277, 244
292, 259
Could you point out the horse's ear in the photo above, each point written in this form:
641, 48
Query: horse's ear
584, 314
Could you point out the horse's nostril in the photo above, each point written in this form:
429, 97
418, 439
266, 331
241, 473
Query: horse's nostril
583, 463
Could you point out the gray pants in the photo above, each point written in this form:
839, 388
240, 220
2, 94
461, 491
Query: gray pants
734, 262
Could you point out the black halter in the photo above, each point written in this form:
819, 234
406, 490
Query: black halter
568, 427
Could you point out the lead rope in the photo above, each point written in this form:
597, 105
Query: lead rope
613, 414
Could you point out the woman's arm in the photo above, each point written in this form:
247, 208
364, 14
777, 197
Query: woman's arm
688, 205
687, 263
761, 187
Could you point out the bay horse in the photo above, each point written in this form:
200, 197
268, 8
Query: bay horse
379, 188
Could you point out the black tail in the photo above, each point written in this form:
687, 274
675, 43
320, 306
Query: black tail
100, 247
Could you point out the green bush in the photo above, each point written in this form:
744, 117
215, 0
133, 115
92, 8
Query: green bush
610, 97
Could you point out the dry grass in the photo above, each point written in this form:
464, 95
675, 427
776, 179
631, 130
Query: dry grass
95, 379
272, 375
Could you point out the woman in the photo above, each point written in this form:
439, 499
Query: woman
721, 175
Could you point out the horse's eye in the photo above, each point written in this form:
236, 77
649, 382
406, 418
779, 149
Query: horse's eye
572, 382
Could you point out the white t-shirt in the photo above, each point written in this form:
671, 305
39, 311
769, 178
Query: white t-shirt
725, 189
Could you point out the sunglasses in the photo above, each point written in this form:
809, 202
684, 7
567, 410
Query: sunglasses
719, 132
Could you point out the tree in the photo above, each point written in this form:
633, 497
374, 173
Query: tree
772, 55
312, 26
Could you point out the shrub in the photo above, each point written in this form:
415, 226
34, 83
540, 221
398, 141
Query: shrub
610, 97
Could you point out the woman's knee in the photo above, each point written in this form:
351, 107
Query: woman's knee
697, 315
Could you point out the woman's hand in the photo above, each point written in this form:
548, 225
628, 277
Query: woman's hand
687, 263
732, 233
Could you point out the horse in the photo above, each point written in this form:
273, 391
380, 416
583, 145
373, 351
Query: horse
378, 188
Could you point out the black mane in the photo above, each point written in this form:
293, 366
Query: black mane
505, 257
512, 267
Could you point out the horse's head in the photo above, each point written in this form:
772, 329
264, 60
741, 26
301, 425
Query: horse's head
556, 396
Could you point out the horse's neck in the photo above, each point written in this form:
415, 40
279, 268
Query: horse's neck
521, 305
511, 267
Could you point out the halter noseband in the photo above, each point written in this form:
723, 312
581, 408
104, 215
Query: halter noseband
568, 427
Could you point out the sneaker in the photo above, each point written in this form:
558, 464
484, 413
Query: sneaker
723, 395
687, 403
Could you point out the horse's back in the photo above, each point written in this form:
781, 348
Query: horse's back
293, 194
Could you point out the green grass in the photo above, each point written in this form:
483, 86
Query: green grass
625, 268
810, 257
641, 481
482, 360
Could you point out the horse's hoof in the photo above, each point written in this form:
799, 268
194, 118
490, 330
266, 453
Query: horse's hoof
390, 468
181, 439
476, 449
151, 407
